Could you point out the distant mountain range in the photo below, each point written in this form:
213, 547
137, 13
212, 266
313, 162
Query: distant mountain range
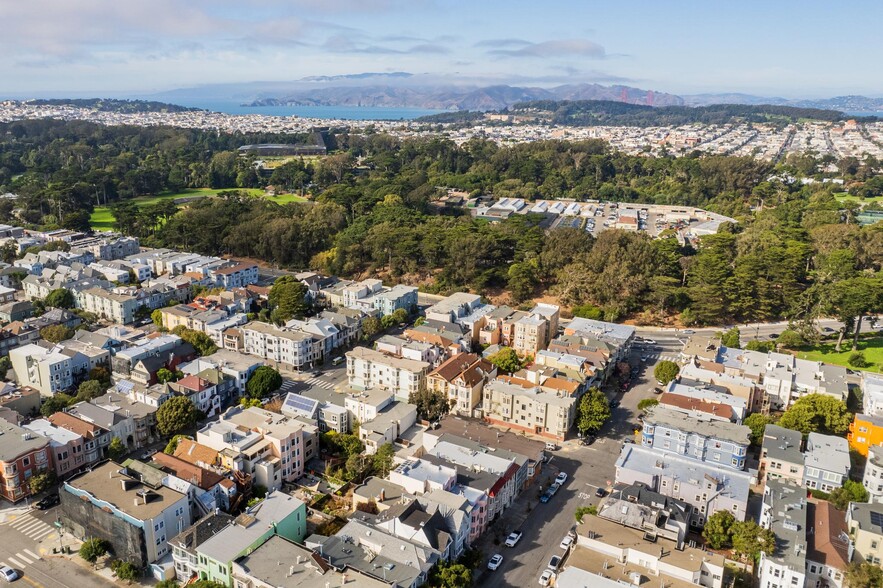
402, 89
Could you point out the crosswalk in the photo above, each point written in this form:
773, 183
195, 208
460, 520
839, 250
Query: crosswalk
31, 527
21, 560
319, 383
652, 357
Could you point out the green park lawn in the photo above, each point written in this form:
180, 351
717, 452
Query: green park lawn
102, 219
872, 348
847, 197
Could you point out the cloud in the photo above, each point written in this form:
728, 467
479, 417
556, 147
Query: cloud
502, 43
562, 48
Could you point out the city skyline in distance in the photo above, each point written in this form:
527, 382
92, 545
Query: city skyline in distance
100, 47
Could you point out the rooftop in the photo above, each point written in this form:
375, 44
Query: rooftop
475, 430
109, 483
706, 427
366, 354
782, 444
202, 530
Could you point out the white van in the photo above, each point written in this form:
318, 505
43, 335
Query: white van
337, 360
551, 446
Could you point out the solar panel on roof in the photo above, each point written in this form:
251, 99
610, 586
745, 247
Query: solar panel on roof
125, 386
300, 403
877, 519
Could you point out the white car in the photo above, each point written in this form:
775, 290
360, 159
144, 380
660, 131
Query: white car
513, 538
649, 342
8, 574
566, 543
561, 478
494, 562
548, 576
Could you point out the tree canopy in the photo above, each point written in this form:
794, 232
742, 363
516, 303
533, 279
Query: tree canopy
506, 360
594, 411
817, 413
175, 415
288, 299
59, 298
666, 371
263, 382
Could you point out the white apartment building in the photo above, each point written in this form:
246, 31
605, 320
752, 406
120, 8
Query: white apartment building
119, 308
47, 370
367, 368
295, 349
529, 409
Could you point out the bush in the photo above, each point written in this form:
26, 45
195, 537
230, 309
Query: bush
790, 339
92, 549
583, 511
124, 570
857, 360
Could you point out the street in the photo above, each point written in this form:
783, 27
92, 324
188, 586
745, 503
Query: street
27, 539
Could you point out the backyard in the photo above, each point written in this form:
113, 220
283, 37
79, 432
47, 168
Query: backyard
102, 219
872, 348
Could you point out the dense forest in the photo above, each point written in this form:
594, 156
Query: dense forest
794, 253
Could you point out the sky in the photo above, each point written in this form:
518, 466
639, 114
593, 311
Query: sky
788, 48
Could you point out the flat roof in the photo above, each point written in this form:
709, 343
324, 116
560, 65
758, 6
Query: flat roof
707, 427
106, 483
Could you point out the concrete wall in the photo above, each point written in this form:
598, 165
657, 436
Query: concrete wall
85, 521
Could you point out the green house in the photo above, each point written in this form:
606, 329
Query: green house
278, 514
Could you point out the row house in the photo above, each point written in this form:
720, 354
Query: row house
367, 368
280, 346
23, 454
236, 366
238, 275
348, 323
108, 248
207, 489
68, 448
696, 437
119, 424
142, 415
96, 439
273, 448
206, 395
704, 400
462, 379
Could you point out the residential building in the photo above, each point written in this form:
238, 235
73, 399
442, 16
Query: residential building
398, 297
237, 275
872, 394
303, 568
865, 523
324, 406
377, 494
657, 515
294, 349
136, 517
826, 462
367, 368
865, 432
626, 555
277, 514
781, 457
237, 366
119, 308
67, 447
23, 454
462, 379
16, 311
207, 489
419, 476
382, 556
709, 401
47, 370
95, 438
528, 408
184, 545
454, 307
201, 392
273, 448
706, 486
873, 476
23, 400
142, 415
531, 335
700, 438
389, 424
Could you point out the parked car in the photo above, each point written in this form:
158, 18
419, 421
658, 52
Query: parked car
551, 446
688, 332
48, 502
561, 478
554, 562
546, 578
614, 403
588, 439
566, 542
600, 492
494, 562
649, 342
773, 335
513, 538
148, 454
8, 574
658, 390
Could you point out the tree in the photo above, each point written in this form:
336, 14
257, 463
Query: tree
246, 402
100, 374
718, 530
288, 299
817, 413
42, 481
857, 360
450, 575
371, 326
382, 459
864, 575
731, 338
202, 343
790, 339
56, 403
750, 539
757, 422
124, 570
156, 317
762, 346
263, 382
175, 415
166, 584
506, 360
400, 315
431, 406
90, 389
851, 491
164, 375
59, 298
116, 449
92, 549
172, 445
594, 411
666, 371
647, 403
56, 333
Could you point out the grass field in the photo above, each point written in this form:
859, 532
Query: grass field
847, 197
873, 349
102, 219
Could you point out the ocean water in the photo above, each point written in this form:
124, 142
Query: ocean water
329, 112
878, 113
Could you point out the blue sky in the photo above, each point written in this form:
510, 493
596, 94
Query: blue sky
780, 47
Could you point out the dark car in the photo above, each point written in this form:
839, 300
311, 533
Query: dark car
658, 390
588, 439
600, 492
614, 403
48, 502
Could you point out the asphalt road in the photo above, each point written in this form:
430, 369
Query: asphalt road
26, 542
